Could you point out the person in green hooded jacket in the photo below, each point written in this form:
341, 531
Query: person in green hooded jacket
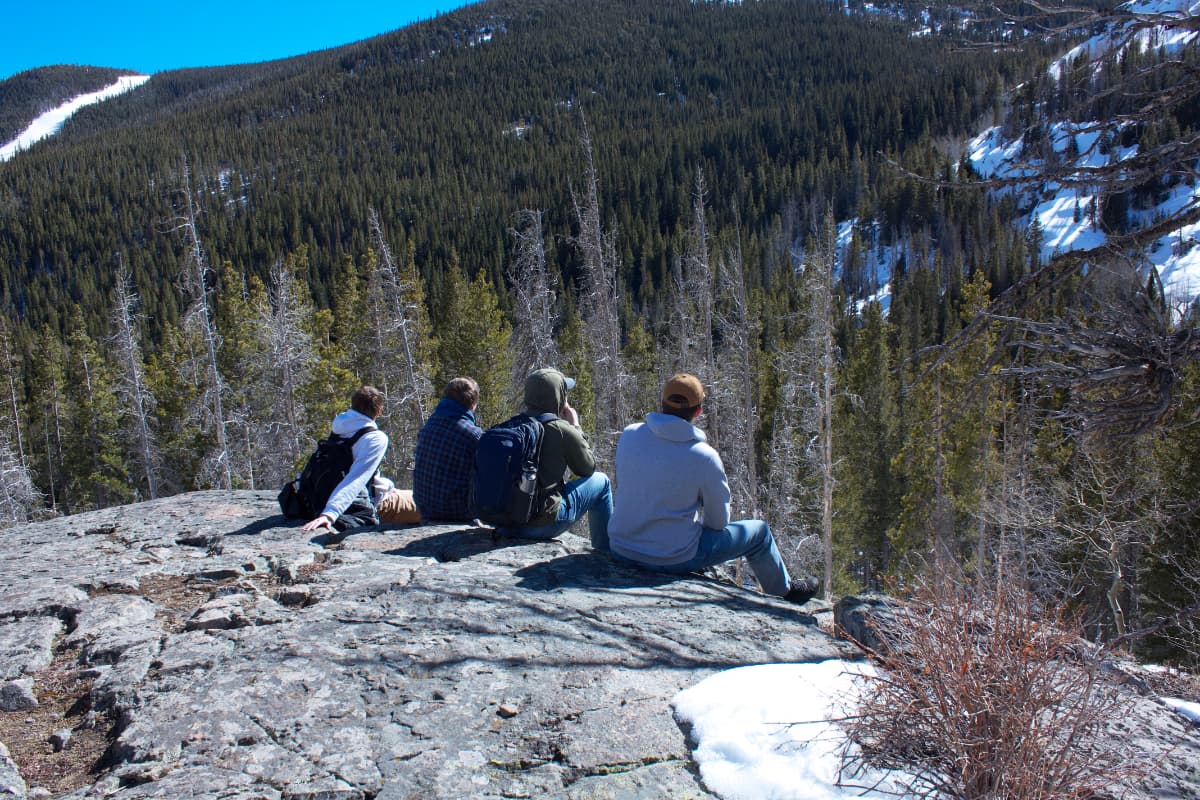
565, 450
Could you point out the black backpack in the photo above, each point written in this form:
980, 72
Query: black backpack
306, 496
506, 470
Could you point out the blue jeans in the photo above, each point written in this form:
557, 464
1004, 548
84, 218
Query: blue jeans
591, 496
748, 537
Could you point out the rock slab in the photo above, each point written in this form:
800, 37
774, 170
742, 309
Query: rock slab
245, 660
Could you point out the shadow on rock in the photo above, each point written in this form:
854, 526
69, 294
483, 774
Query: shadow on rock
588, 571
457, 545
258, 526
597, 571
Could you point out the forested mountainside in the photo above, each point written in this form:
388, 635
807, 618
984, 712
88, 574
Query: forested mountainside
195, 274
448, 128
25, 96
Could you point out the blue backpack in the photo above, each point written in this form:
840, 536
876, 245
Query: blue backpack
506, 470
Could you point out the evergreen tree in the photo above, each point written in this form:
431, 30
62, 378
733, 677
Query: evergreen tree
176, 377
243, 364
641, 359
947, 456
473, 340
47, 385
577, 362
11, 364
867, 435
95, 466
288, 344
1170, 570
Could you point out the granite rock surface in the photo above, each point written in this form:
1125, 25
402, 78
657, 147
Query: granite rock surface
234, 656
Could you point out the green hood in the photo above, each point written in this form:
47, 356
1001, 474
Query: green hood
546, 391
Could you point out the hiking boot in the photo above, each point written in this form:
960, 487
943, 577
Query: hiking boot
802, 591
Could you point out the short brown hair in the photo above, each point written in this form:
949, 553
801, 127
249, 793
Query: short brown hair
464, 390
688, 413
367, 400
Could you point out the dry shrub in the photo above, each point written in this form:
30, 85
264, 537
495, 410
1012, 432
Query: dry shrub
987, 694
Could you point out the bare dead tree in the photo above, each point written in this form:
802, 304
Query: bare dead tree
200, 318
8, 358
691, 323
984, 692
131, 388
809, 369
291, 354
734, 390
397, 296
535, 315
786, 495
600, 308
18, 497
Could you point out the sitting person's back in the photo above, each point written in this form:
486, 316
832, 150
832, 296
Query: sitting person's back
444, 465
673, 505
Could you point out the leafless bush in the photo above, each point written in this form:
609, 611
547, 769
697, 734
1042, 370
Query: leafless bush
986, 694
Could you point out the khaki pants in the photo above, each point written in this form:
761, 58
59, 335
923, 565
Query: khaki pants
397, 507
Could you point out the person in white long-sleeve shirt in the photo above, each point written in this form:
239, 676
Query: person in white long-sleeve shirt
393, 505
672, 503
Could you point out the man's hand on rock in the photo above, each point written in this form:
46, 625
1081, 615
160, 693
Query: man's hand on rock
320, 522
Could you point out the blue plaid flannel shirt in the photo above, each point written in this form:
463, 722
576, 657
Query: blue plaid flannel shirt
444, 469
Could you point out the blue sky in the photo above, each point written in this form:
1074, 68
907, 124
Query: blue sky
154, 35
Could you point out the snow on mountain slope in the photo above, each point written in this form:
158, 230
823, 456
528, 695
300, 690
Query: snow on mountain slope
1067, 214
50, 122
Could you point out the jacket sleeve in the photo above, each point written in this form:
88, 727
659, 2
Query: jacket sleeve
577, 450
368, 454
714, 494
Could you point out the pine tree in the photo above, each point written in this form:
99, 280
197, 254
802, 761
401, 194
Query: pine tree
867, 436
576, 359
242, 365
95, 455
473, 340
288, 344
331, 380
641, 359
11, 364
947, 458
175, 375
47, 384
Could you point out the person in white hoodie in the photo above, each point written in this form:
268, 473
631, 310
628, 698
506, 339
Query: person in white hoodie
671, 508
363, 480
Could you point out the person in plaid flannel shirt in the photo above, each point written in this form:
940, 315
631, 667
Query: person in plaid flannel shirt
444, 466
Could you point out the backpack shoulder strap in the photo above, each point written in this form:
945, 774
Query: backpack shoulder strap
544, 418
358, 434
